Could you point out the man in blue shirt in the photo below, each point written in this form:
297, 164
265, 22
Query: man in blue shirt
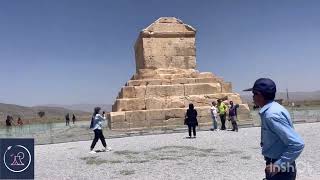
281, 145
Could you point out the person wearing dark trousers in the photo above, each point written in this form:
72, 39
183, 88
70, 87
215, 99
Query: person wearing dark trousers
192, 128
67, 119
9, 120
222, 110
191, 120
96, 125
73, 118
98, 135
233, 115
214, 116
281, 144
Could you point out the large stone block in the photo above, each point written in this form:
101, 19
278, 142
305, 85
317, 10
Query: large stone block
234, 97
226, 87
203, 111
155, 114
227, 96
117, 117
202, 88
130, 104
183, 81
156, 123
183, 62
205, 75
175, 113
166, 76
164, 90
154, 45
139, 125
185, 51
127, 92
197, 100
147, 82
168, 27
158, 82
139, 54
135, 116
174, 121
119, 125
175, 102
168, 48
140, 91
167, 71
155, 103
206, 80
154, 62
114, 107
136, 83
204, 119
146, 74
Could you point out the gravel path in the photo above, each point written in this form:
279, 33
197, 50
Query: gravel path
212, 155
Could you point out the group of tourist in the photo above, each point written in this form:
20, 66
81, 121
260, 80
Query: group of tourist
218, 110
10, 121
67, 117
281, 145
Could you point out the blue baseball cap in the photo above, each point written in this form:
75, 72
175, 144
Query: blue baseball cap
264, 86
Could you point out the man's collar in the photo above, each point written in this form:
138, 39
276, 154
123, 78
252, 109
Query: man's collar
265, 107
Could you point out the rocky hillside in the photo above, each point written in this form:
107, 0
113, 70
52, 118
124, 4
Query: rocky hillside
32, 112
83, 107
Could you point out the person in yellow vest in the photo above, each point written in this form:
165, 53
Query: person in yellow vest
222, 111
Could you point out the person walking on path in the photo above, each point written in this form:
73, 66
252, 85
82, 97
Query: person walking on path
214, 116
67, 119
281, 144
233, 116
73, 118
222, 110
96, 125
191, 120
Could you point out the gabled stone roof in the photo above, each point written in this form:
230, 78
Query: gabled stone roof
168, 26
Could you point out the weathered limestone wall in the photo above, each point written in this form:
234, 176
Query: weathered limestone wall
166, 81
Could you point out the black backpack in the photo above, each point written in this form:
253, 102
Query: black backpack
91, 124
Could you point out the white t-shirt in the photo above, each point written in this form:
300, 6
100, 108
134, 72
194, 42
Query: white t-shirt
214, 112
98, 120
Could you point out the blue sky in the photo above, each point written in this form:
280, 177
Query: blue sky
81, 51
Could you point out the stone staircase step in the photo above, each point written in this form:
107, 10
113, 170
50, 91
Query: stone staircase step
179, 101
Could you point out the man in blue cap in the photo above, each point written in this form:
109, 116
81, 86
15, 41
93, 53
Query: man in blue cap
281, 145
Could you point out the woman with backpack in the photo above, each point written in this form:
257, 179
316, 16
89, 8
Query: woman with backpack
191, 120
96, 125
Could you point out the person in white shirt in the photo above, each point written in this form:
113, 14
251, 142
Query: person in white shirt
96, 126
214, 116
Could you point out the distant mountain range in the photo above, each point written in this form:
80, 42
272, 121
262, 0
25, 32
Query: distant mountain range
83, 107
31, 112
293, 96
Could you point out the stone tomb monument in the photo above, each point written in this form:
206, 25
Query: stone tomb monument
166, 81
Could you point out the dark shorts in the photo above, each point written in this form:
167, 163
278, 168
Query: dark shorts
289, 173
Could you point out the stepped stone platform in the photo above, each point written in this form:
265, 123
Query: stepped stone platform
166, 81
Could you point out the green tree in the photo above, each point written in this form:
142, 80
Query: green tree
41, 114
